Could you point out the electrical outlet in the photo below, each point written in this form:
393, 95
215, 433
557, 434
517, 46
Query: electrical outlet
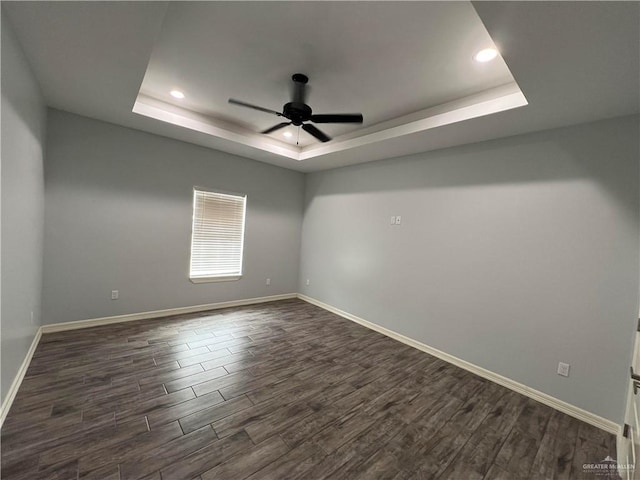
268, 282
563, 369
308, 282
115, 294
398, 219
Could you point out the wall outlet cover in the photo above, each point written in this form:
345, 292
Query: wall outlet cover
563, 369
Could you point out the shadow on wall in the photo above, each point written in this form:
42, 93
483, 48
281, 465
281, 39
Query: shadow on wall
599, 151
19, 114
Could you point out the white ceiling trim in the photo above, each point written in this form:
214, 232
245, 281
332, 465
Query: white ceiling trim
499, 99
165, 112
491, 101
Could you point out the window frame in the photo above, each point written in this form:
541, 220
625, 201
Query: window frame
223, 277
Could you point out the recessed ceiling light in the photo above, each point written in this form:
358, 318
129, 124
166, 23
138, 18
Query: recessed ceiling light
288, 134
176, 94
486, 55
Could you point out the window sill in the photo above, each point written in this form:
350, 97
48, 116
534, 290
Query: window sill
229, 278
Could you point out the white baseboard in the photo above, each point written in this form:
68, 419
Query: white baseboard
94, 322
17, 381
564, 407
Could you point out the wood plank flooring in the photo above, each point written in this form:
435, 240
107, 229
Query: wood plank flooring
281, 390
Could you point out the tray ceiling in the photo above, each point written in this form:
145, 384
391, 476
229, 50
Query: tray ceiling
405, 65
401, 65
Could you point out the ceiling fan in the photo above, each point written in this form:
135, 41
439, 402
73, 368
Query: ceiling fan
298, 112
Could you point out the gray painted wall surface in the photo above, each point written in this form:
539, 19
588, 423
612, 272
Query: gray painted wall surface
22, 199
512, 254
118, 217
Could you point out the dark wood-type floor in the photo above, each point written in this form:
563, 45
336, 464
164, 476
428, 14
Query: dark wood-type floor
281, 390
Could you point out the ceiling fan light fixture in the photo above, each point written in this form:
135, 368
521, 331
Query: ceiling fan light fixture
176, 94
486, 55
288, 134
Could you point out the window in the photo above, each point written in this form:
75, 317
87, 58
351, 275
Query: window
217, 236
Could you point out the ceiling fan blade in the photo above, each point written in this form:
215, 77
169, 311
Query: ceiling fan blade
307, 127
277, 127
337, 118
255, 107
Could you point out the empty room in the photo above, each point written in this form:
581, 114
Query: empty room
320, 240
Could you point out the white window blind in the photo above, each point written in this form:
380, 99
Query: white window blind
217, 236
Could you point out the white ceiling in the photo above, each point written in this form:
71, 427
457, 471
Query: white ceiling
573, 61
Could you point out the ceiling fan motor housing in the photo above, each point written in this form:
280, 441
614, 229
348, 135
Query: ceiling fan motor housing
297, 112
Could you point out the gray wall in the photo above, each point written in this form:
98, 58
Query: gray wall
118, 217
22, 199
512, 254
